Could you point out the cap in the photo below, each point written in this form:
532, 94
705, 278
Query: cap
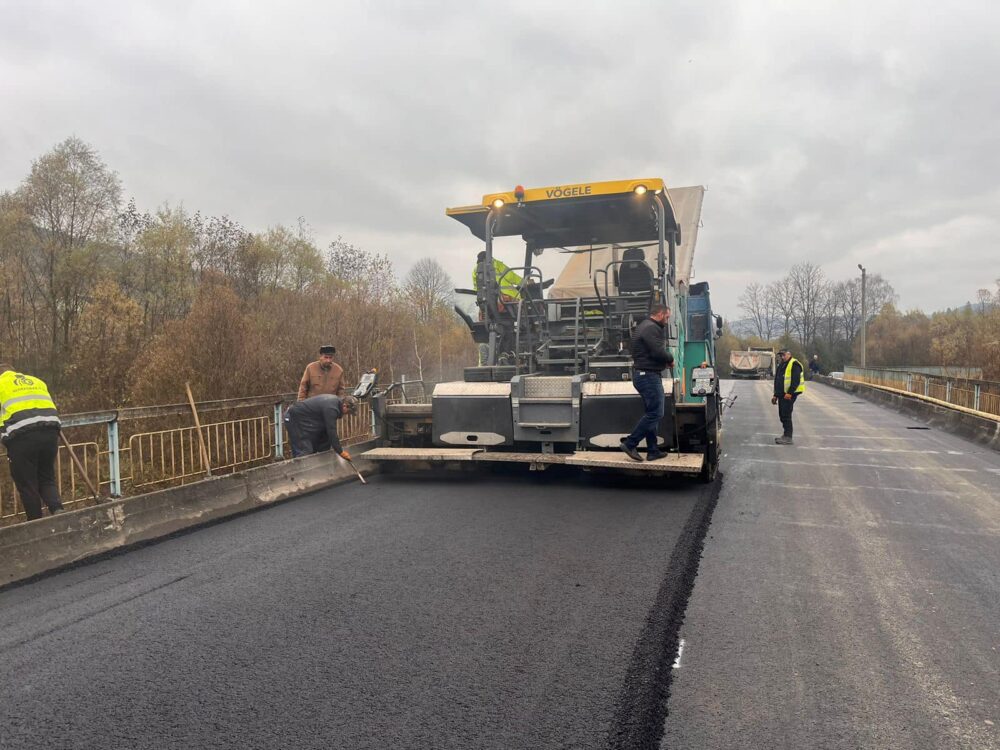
783, 351
328, 349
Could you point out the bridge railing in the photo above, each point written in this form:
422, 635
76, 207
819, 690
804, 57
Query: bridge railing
978, 395
136, 449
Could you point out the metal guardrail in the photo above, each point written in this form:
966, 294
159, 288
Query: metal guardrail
978, 395
124, 454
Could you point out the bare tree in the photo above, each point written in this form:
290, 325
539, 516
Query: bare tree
759, 305
368, 275
879, 293
428, 288
809, 286
783, 294
984, 297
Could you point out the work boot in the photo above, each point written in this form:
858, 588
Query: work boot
783, 440
655, 455
631, 452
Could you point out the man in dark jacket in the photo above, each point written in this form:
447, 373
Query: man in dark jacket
650, 357
788, 384
312, 424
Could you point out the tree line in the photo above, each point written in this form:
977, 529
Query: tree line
113, 305
811, 314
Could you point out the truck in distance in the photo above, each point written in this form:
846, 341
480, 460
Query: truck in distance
755, 363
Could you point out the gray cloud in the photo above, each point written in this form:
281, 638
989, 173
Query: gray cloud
828, 132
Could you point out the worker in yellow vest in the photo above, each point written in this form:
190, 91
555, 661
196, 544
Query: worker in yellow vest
788, 384
29, 429
508, 281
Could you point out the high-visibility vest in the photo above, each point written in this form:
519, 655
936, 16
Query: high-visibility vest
508, 281
25, 403
788, 376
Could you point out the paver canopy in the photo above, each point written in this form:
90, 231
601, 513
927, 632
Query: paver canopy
577, 279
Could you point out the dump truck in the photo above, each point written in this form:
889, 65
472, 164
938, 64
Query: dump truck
756, 363
554, 382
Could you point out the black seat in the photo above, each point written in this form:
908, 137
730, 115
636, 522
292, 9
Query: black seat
634, 275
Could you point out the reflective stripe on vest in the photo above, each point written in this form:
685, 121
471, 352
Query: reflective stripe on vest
24, 401
788, 376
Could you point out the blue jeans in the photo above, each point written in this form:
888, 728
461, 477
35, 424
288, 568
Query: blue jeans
649, 384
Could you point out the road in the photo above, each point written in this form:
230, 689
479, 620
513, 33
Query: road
846, 597
849, 593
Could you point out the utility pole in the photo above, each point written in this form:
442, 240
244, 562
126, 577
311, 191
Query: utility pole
864, 320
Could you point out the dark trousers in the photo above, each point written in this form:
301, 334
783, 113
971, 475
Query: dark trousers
33, 469
303, 444
785, 407
649, 384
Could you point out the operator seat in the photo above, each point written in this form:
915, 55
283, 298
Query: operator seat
634, 275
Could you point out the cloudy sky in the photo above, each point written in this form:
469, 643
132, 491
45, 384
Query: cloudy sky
833, 132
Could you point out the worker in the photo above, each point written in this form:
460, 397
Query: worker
29, 428
312, 424
322, 376
650, 357
814, 366
788, 384
508, 281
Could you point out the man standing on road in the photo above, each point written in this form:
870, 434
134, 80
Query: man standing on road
814, 366
788, 384
322, 376
650, 357
312, 424
29, 428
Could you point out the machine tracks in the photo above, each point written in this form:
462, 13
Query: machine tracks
638, 722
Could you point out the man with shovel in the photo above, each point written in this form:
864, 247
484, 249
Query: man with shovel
29, 429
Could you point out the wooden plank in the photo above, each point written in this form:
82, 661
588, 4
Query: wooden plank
689, 463
420, 454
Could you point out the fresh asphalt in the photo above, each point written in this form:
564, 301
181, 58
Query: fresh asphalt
847, 597
470, 611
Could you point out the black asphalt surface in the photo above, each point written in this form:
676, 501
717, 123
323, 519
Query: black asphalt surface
849, 592
848, 596
487, 611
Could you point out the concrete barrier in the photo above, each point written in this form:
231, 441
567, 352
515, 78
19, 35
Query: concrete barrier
956, 420
35, 547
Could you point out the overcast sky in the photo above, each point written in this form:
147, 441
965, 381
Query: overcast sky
833, 132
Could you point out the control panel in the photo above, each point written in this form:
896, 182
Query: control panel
702, 381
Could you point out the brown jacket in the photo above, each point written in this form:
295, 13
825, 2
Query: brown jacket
316, 380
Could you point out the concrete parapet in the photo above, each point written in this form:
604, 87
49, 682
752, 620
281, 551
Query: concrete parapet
35, 547
966, 423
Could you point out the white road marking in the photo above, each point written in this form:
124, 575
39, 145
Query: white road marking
851, 437
680, 652
860, 450
944, 493
860, 466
